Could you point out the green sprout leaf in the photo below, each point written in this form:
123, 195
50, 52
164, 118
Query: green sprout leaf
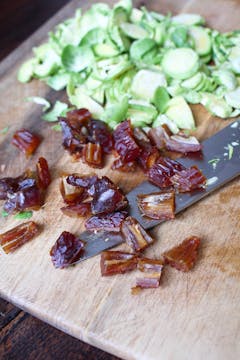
179, 36
214, 162
4, 130
161, 99
26, 71
4, 213
23, 215
40, 101
56, 127
76, 58
59, 109
230, 151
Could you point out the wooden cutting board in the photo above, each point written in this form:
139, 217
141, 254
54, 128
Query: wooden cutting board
191, 316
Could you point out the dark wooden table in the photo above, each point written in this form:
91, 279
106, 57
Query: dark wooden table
23, 337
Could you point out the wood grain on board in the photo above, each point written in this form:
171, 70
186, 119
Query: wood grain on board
191, 316
25, 337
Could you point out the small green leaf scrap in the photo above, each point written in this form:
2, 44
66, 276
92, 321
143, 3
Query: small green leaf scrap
4, 130
23, 215
59, 109
214, 162
40, 101
4, 214
56, 127
230, 151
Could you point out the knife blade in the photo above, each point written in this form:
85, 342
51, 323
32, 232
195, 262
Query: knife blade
219, 162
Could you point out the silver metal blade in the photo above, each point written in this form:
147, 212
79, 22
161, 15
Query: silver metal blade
224, 147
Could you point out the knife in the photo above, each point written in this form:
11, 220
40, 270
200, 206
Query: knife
219, 162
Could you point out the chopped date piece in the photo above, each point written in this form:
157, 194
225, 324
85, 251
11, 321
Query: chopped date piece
78, 129
161, 173
172, 165
148, 281
124, 167
167, 130
148, 157
16, 237
79, 116
125, 144
183, 133
78, 210
136, 290
135, 235
152, 273
107, 197
82, 181
140, 136
108, 222
159, 205
71, 194
159, 137
188, 180
117, 262
29, 198
75, 130
150, 265
74, 135
43, 173
183, 257
27, 180
92, 155
25, 192
8, 186
183, 144
12, 185
25, 141
99, 133
149, 153
67, 250
179, 143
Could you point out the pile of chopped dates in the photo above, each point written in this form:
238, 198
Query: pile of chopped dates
90, 139
106, 209
100, 201
27, 191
